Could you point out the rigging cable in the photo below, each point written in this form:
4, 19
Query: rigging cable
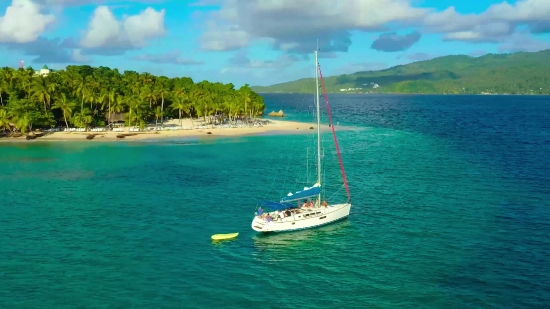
334, 135
284, 153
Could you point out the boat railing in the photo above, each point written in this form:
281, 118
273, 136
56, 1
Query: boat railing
304, 214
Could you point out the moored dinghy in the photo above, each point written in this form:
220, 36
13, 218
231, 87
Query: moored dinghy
224, 236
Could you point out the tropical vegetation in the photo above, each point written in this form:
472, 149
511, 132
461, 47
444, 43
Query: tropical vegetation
517, 73
84, 97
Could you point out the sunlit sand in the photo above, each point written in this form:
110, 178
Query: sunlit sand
191, 129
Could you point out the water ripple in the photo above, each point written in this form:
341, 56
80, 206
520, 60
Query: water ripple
450, 210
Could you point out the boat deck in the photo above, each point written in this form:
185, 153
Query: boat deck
299, 218
297, 214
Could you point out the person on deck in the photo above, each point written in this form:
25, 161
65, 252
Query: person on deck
260, 211
324, 204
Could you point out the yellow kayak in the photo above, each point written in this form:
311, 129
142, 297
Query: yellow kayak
224, 236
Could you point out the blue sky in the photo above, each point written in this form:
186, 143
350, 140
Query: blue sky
263, 42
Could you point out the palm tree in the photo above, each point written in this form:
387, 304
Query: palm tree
81, 89
200, 96
83, 118
118, 104
42, 90
180, 104
5, 120
107, 95
23, 123
65, 106
158, 114
3, 88
102, 97
162, 91
236, 107
246, 96
149, 95
108, 91
134, 104
93, 92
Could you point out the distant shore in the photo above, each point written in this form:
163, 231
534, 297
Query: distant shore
274, 127
410, 93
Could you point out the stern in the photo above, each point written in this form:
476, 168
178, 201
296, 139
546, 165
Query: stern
258, 224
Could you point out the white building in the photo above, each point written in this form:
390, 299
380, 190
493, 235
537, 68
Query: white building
350, 89
44, 71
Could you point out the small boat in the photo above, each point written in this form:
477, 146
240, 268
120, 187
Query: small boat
224, 236
289, 213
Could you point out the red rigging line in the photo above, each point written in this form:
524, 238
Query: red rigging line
334, 134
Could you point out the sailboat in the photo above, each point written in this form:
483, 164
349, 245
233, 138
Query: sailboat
298, 211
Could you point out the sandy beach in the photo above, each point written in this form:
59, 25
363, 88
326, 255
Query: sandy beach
274, 126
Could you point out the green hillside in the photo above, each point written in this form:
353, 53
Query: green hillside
518, 73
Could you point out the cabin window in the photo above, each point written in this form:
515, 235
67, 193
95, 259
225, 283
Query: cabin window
322, 217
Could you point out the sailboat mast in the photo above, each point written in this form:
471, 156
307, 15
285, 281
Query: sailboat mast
307, 166
318, 122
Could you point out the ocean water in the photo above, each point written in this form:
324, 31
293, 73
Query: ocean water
451, 209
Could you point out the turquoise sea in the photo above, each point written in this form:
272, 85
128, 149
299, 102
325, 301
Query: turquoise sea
451, 209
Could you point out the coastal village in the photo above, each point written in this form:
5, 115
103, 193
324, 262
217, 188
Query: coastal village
373, 86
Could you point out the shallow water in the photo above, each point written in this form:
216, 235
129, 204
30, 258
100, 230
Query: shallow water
451, 209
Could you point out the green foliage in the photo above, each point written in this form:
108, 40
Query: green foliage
41, 119
82, 119
5, 119
22, 122
518, 73
84, 96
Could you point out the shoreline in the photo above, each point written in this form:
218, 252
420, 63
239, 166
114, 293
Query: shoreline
275, 127
423, 94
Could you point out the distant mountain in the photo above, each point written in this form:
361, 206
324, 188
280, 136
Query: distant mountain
518, 73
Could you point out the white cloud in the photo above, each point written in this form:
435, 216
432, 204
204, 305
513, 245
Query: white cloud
76, 56
23, 22
240, 61
167, 58
105, 31
525, 11
496, 24
216, 38
97, 2
523, 42
295, 25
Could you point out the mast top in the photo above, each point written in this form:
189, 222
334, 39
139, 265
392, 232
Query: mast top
318, 117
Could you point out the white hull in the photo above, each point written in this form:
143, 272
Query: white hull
306, 219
